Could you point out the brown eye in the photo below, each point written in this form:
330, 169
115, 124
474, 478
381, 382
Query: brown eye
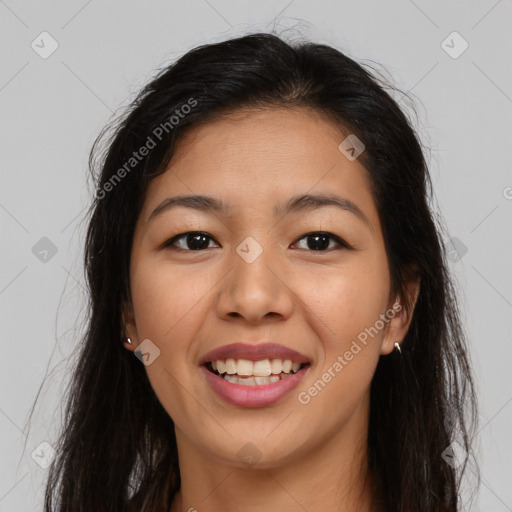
319, 241
192, 241
198, 241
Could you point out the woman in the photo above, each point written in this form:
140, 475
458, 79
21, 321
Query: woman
261, 241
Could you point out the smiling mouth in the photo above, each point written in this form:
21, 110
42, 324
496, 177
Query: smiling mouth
245, 374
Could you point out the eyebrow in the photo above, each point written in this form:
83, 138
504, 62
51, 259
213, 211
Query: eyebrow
301, 202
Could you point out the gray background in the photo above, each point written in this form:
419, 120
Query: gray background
52, 109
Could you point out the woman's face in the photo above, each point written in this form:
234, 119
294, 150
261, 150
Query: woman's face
253, 277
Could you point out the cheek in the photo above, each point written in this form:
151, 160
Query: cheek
347, 300
349, 306
339, 388
166, 302
348, 323
164, 297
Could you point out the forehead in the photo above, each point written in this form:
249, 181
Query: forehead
255, 159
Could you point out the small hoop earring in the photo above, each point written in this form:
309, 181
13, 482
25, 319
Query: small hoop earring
397, 347
129, 340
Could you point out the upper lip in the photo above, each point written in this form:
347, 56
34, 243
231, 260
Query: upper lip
254, 352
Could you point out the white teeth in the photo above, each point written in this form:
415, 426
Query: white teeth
262, 368
252, 381
277, 366
244, 367
287, 366
230, 366
250, 373
249, 381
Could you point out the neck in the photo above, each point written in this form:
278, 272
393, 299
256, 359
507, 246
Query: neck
332, 475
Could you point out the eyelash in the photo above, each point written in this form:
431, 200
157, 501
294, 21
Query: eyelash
341, 243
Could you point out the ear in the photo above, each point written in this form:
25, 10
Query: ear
403, 308
130, 327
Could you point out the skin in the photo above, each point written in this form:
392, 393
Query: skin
188, 302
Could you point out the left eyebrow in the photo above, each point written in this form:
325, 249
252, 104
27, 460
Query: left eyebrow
301, 202
304, 202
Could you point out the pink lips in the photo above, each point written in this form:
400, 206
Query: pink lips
257, 395
252, 396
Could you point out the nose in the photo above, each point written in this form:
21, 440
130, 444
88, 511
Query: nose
255, 291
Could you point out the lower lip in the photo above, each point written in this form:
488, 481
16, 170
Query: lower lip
252, 396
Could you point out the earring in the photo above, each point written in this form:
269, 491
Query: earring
397, 347
129, 340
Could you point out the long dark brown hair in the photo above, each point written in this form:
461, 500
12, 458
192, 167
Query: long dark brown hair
117, 449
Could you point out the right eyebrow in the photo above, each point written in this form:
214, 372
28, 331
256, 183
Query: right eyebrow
196, 202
